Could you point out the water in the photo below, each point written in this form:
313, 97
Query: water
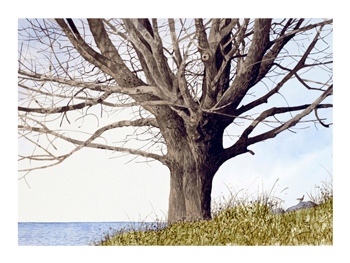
67, 234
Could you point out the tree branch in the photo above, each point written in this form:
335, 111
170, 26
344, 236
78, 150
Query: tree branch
88, 142
269, 59
61, 109
274, 111
174, 41
302, 81
143, 63
295, 120
241, 145
298, 66
319, 120
302, 29
160, 59
147, 54
227, 29
202, 36
238, 38
94, 86
249, 69
108, 50
86, 51
182, 84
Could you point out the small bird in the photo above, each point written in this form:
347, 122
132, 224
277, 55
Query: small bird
300, 199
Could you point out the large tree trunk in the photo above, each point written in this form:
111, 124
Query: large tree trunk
193, 159
190, 189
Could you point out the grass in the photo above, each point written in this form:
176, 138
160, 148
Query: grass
242, 220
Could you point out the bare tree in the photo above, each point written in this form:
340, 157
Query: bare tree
186, 81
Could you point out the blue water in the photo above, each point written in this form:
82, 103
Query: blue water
67, 234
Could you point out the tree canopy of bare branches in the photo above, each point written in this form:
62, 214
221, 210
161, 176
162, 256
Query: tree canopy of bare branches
183, 82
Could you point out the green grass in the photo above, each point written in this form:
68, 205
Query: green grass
243, 225
240, 221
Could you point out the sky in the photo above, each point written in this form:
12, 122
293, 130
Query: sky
93, 185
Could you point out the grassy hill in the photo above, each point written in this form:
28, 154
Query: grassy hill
242, 225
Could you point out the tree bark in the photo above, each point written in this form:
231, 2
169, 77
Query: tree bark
190, 191
194, 156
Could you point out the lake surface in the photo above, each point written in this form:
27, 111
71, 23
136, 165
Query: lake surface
68, 234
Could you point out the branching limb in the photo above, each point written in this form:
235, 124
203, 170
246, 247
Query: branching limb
94, 86
295, 120
269, 59
302, 29
66, 108
202, 36
174, 41
92, 101
86, 51
89, 142
302, 81
218, 32
244, 141
180, 75
227, 29
291, 73
237, 38
274, 111
108, 50
136, 36
160, 59
208, 59
246, 74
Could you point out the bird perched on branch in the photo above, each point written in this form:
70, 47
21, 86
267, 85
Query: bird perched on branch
300, 199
